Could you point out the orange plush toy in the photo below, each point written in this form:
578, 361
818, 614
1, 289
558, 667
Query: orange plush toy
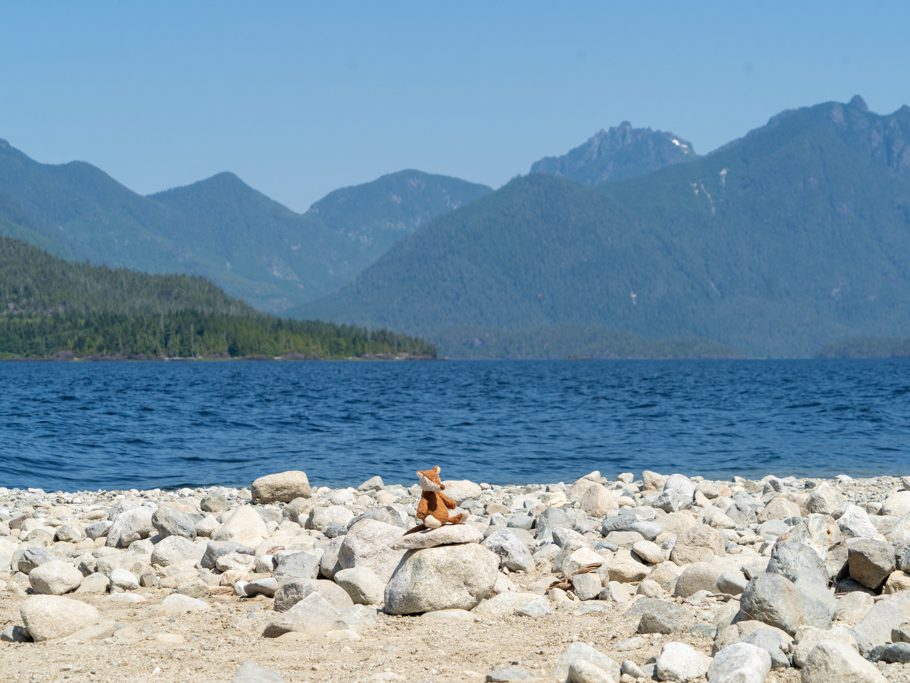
434, 506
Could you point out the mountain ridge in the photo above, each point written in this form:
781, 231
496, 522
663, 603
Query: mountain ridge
775, 244
218, 227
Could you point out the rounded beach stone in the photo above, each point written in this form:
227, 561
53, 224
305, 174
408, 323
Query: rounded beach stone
776, 601
362, 584
740, 663
681, 662
371, 544
282, 487
55, 578
131, 525
700, 543
244, 525
445, 577
48, 617
176, 549
169, 521
833, 662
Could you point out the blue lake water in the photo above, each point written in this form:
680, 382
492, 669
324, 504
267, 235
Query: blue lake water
73, 426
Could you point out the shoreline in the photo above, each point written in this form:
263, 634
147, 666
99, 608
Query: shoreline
629, 578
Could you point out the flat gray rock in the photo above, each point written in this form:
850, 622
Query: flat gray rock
449, 534
313, 615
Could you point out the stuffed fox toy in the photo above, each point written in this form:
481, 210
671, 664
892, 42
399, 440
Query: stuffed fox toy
434, 506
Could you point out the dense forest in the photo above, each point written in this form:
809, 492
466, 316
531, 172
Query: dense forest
52, 308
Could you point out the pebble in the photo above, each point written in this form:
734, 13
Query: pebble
683, 557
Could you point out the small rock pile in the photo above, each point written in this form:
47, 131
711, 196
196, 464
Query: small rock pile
785, 577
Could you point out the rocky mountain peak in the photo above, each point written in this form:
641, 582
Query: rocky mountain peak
619, 153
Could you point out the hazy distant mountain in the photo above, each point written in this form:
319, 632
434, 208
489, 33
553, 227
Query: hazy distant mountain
618, 154
783, 241
220, 228
381, 212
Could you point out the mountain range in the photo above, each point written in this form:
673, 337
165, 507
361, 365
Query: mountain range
219, 228
776, 244
784, 242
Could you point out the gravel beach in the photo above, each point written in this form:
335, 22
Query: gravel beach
648, 577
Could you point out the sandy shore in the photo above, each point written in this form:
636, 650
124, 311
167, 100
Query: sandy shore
645, 577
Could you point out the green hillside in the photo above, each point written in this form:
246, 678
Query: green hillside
219, 228
790, 238
50, 307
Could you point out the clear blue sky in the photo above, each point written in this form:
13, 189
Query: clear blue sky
299, 98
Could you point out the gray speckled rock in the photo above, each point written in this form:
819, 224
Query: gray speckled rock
31, 557
362, 584
700, 576
514, 555
300, 564
176, 548
870, 562
169, 521
217, 549
446, 577
832, 662
700, 543
882, 618
131, 525
740, 663
660, 616
370, 544
313, 615
777, 601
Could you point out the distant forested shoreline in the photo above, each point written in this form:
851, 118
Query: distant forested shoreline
50, 308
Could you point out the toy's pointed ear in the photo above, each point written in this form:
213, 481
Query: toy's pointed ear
436, 469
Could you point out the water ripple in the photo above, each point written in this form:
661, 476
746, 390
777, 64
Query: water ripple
106, 425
